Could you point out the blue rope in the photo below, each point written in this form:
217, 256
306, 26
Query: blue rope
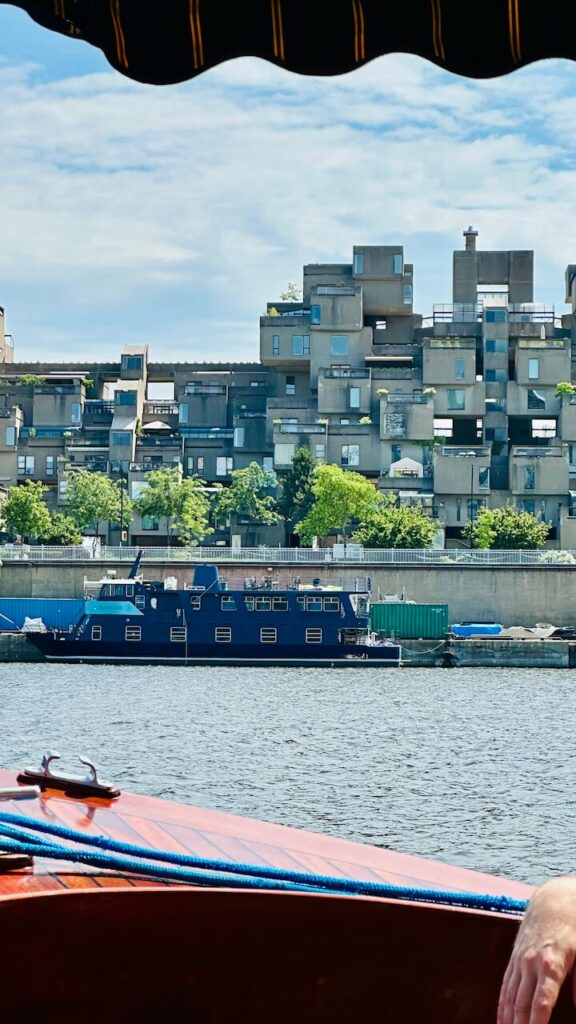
203, 871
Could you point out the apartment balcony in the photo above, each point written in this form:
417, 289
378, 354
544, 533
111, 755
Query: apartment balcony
466, 400
462, 469
97, 413
406, 417
532, 400
159, 442
304, 429
343, 396
203, 389
537, 470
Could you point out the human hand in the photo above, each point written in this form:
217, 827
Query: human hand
544, 954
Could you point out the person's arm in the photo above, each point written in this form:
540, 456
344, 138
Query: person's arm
544, 954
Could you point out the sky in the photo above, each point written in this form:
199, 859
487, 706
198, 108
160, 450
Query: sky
170, 216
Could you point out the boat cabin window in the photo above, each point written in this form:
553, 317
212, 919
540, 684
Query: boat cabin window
223, 634
263, 604
118, 590
279, 604
249, 604
228, 604
313, 635
178, 634
268, 635
96, 632
196, 603
331, 604
140, 601
133, 633
314, 604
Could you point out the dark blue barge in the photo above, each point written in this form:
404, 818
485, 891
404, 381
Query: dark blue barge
132, 621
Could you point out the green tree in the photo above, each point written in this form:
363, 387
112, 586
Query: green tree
61, 530
92, 498
395, 526
292, 294
247, 496
340, 497
182, 503
297, 497
506, 528
24, 512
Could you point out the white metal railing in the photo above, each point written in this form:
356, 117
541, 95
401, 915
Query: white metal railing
270, 556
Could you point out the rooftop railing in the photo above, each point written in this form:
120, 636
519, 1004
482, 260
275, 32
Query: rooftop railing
465, 451
413, 399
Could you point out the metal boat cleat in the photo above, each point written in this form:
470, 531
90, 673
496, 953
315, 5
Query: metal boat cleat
72, 785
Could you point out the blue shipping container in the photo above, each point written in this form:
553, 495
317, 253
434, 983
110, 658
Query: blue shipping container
56, 613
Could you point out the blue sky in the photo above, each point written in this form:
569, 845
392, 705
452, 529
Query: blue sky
170, 216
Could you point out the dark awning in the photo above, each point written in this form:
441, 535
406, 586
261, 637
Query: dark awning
170, 41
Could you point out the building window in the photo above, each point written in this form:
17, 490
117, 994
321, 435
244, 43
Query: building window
407, 294
190, 464
120, 438
320, 452
529, 505
150, 523
228, 603
223, 634
275, 344
239, 437
344, 422
496, 345
25, 465
350, 455
459, 368
182, 412
124, 398
224, 465
268, 464
456, 399
283, 454
495, 316
300, 344
458, 509
536, 400
268, 635
358, 262
314, 635
339, 345
354, 398
396, 453
133, 633
543, 428
443, 428
484, 478
75, 412
178, 634
315, 315
10, 437
96, 633
290, 385
397, 263
131, 362
50, 465
340, 370
529, 478
533, 369
200, 464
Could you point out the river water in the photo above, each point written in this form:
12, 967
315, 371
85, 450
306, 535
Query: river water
473, 767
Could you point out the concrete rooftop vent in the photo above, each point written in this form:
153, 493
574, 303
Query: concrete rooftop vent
470, 235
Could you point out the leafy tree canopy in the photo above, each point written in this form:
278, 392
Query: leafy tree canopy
61, 530
297, 496
506, 528
292, 293
247, 496
182, 503
92, 498
340, 497
391, 525
24, 512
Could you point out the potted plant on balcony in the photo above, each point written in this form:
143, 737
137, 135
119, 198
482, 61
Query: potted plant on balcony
382, 391
564, 387
429, 391
365, 420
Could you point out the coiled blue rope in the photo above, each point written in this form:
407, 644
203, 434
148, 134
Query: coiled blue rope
17, 835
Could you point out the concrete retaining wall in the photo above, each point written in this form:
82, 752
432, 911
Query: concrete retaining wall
510, 595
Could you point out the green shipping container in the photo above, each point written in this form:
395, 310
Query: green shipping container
410, 621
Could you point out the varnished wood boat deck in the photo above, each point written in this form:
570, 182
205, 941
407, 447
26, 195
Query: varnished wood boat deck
166, 825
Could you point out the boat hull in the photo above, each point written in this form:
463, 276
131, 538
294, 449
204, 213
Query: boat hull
333, 655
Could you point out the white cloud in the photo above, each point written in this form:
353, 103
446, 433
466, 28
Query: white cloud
171, 215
